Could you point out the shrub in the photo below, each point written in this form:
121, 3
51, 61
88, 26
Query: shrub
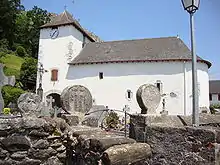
112, 120
11, 94
213, 107
20, 51
6, 111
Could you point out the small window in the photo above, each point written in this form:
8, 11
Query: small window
100, 75
210, 97
54, 75
84, 41
129, 94
158, 86
219, 97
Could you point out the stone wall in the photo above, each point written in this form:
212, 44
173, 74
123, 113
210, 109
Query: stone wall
173, 143
34, 141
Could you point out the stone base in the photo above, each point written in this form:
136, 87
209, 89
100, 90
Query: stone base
72, 120
174, 140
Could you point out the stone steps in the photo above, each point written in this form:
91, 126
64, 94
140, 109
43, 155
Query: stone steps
110, 147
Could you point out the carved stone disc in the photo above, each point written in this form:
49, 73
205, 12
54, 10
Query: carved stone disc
76, 98
30, 104
148, 98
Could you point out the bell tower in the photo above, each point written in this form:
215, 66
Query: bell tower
61, 40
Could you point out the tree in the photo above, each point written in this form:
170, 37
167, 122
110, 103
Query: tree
38, 17
28, 74
8, 11
20, 51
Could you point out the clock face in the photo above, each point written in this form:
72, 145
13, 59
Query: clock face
54, 33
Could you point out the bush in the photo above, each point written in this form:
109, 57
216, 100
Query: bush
112, 120
213, 107
6, 111
20, 51
11, 94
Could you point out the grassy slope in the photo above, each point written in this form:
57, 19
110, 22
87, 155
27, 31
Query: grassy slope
12, 65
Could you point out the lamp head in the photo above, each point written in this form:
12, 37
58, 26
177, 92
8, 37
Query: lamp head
191, 6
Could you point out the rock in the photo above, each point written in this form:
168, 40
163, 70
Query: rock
38, 133
53, 137
62, 155
61, 148
16, 143
148, 97
76, 98
56, 144
41, 144
41, 154
102, 143
95, 116
53, 161
30, 104
30, 161
72, 120
126, 154
3, 154
19, 155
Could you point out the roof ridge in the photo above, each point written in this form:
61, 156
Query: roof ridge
139, 39
65, 12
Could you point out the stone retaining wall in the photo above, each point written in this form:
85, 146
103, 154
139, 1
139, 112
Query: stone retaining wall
34, 141
173, 143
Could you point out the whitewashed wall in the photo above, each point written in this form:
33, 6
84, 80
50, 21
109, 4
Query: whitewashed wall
118, 78
55, 53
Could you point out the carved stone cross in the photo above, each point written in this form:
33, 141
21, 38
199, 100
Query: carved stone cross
4, 80
49, 107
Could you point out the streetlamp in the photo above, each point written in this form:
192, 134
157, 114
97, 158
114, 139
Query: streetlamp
191, 6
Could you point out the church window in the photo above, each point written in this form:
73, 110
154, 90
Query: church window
129, 94
54, 75
210, 97
100, 75
84, 41
159, 85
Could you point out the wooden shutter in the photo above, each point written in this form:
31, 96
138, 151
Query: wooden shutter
54, 75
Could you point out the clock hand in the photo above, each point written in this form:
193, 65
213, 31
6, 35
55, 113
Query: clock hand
54, 33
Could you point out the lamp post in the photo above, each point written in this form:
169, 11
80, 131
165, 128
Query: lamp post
191, 6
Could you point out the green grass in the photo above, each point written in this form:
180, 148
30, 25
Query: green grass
12, 65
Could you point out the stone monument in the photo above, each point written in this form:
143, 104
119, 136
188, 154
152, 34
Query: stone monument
30, 104
148, 97
76, 98
4, 80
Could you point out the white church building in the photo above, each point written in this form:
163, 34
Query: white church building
114, 70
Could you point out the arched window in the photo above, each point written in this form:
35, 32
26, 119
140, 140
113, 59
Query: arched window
54, 75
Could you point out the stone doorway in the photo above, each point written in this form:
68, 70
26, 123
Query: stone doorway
56, 101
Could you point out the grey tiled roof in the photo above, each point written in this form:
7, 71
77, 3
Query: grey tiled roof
214, 86
141, 50
66, 18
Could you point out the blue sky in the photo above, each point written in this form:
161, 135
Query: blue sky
129, 19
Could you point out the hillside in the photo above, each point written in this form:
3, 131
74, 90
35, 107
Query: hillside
12, 65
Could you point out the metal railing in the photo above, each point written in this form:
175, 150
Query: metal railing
113, 110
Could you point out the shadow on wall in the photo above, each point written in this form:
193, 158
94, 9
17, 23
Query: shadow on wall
122, 69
